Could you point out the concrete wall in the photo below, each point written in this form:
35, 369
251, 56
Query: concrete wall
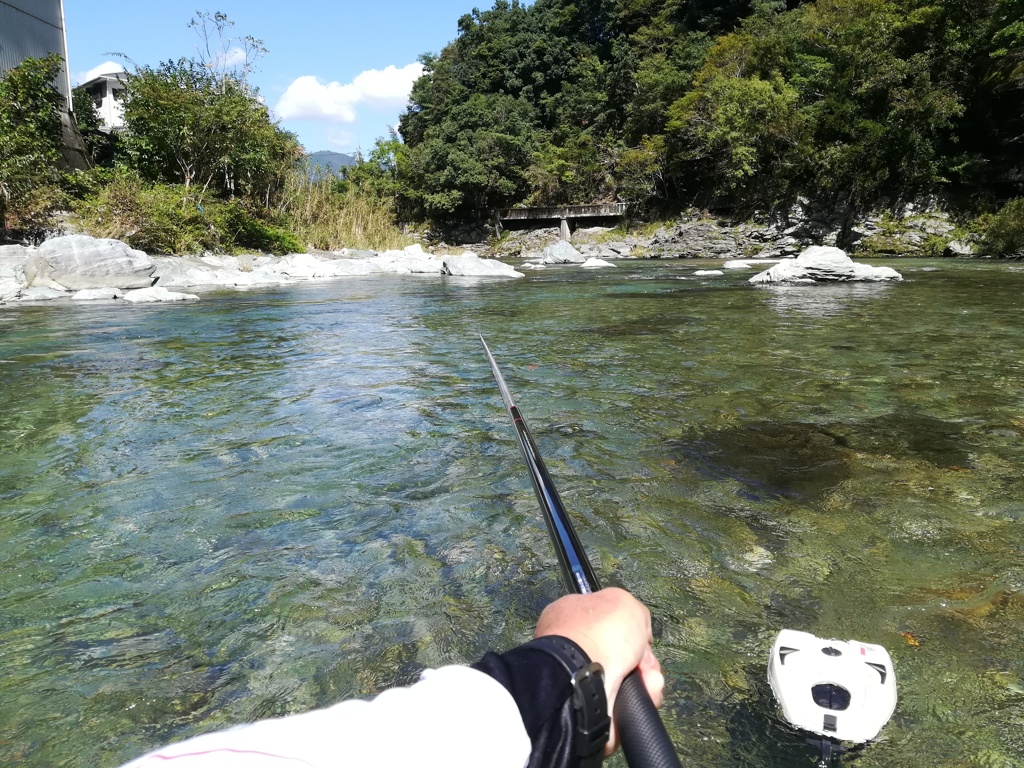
34, 29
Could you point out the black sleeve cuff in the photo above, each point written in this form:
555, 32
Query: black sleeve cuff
541, 687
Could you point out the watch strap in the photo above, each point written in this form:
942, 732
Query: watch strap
589, 700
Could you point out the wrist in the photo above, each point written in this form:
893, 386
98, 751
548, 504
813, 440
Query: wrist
588, 701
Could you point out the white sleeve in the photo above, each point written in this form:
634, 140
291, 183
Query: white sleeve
454, 716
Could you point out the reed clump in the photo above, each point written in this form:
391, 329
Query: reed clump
329, 213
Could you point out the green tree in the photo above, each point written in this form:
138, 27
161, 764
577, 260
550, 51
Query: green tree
90, 126
839, 100
473, 161
185, 124
382, 174
30, 146
198, 122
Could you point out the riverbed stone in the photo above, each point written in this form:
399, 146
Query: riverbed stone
596, 263
79, 262
824, 264
709, 273
468, 264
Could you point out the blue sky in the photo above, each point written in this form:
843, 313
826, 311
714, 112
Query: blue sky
336, 73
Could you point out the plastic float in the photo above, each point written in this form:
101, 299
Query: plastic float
839, 690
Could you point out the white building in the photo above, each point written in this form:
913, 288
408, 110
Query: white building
106, 91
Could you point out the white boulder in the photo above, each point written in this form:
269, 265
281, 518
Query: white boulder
824, 264
469, 264
10, 289
709, 273
80, 261
305, 265
42, 293
562, 252
408, 262
155, 294
736, 264
595, 263
188, 272
97, 294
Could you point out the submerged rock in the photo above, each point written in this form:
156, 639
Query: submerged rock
771, 459
709, 273
824, 264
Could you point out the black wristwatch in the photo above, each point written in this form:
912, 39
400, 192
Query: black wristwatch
589, 701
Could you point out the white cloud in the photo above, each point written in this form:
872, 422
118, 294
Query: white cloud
106, 68
344, 141
235, 57
310, 99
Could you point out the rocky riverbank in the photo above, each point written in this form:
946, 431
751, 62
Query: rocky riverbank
83, 268
918, 231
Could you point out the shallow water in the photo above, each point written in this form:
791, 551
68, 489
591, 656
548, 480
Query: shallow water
271, 500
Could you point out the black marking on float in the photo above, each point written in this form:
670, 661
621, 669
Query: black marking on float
880, 669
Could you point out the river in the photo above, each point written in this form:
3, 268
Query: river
271, 500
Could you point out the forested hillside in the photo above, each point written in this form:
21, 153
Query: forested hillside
737, 105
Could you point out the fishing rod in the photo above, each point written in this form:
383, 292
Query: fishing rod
645, 742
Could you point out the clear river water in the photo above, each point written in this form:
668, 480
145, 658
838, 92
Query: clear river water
271, 500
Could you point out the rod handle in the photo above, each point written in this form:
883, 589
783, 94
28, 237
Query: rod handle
645, 742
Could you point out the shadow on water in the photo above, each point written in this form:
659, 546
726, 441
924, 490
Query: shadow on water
939, 442
804, 461
770, 458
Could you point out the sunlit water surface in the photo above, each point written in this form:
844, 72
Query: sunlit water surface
268, 501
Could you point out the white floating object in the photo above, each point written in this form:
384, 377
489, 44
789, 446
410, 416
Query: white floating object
843, 690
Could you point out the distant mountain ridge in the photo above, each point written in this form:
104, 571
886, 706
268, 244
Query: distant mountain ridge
330, 161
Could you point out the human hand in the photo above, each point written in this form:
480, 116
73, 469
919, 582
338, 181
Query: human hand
614, 628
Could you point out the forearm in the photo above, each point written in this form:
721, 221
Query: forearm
455, 716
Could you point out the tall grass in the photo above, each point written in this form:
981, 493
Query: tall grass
329, 214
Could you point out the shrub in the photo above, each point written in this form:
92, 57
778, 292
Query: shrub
1004, 230
246, 230
166, 219
30, 144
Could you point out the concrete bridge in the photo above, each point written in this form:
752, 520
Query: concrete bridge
563, 214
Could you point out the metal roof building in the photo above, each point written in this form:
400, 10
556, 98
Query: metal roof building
34, 29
